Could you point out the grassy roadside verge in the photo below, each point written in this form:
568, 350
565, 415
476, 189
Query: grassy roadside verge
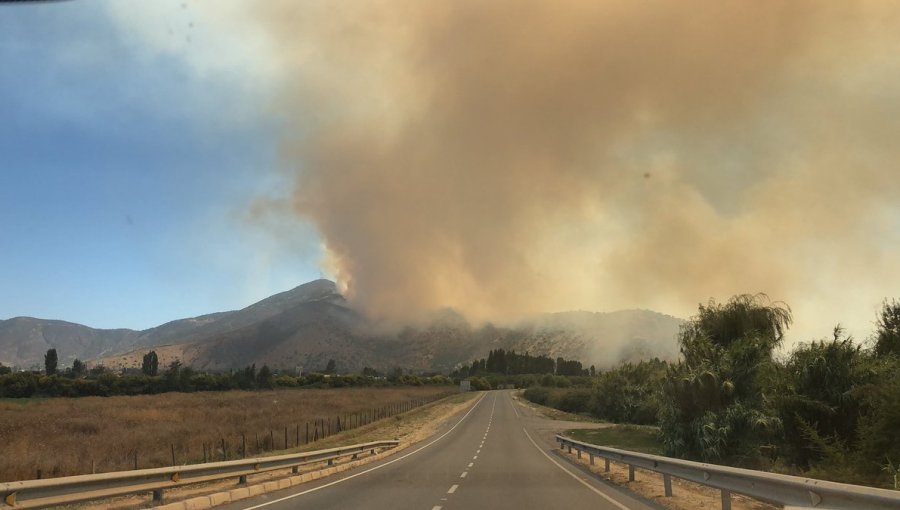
636, 438
553, 413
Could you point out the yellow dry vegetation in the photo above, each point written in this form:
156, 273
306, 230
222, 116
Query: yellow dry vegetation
62, 437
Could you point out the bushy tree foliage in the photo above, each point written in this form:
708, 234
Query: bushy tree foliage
569, 367
629, 393
887, 336
878, 447
821, 397
51, 362
512, 363
480, 383
78, 368
150, 364
499, 361
264, 378
831, 407
713, 401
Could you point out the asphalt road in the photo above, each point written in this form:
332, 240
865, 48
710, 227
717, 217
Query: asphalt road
496, 455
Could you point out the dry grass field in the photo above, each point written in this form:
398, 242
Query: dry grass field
62, 437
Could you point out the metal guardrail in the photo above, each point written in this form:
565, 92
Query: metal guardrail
74, 489
782, 490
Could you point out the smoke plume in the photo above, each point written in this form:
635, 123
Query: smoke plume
509, 157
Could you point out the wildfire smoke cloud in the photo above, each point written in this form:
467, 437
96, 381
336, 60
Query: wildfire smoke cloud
509, 157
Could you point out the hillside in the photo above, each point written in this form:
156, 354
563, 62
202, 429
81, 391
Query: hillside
24, 340
310, 324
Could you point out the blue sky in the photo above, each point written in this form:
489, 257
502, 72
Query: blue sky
126, 173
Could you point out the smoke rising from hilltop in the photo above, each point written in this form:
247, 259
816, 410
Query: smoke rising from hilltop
509, 157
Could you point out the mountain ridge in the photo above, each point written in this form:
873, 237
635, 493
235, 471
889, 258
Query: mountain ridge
306, 326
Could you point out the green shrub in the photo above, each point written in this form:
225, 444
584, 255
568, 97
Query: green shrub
479, 383
574, 400
537, 394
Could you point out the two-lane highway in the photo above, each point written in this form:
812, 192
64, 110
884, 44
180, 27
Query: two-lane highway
490, 457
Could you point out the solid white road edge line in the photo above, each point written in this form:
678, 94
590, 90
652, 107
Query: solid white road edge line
417, 450
573, 475
512, 402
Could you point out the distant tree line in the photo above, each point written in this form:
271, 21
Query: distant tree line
77, 381
500, 362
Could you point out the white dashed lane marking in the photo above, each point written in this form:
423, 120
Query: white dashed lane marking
453, 487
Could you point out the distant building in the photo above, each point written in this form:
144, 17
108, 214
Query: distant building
465, 386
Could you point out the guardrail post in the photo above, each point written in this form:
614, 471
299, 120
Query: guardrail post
242, 480
158, 496
570, 448
726, 500
667, 485
606, 465
295, 470
592, 458
630, 473
579, 454
330, 462
562, 445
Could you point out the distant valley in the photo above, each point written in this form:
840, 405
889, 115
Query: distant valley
310, 324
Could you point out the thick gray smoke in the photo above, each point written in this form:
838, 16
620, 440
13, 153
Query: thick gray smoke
508, 157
